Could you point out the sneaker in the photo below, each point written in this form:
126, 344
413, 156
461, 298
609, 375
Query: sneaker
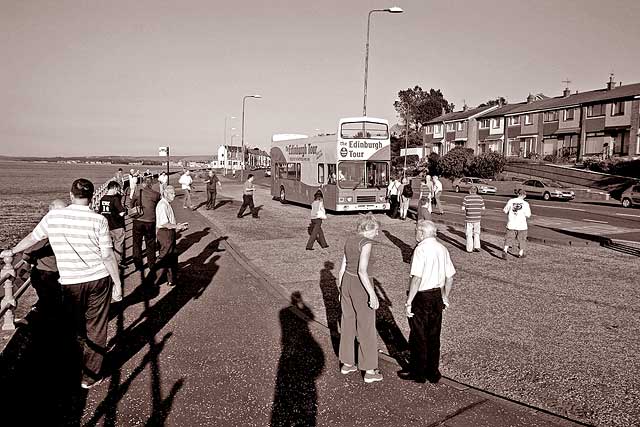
522, 256
88, 385
309, 249
372, 377
476, 250
347, 369
504, 255
325, 247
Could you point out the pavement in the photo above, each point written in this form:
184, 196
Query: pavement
226, 347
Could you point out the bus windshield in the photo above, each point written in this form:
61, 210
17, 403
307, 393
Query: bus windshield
368, 130
352, 175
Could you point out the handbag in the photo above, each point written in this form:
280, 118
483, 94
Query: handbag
137, 211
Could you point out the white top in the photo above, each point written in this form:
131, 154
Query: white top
163, 179
392, 189
79, 238
437, 186
317, 210
432, 263
164, 213
518, 211
185, 181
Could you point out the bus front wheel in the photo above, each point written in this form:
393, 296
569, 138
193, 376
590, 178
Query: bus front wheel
283, 198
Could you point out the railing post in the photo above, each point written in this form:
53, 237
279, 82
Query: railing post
8, 300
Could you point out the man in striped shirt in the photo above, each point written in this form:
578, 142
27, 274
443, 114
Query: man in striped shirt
473, 205
84, 254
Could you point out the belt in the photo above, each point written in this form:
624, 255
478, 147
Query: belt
431, 290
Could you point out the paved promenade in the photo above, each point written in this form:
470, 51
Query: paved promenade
226, 347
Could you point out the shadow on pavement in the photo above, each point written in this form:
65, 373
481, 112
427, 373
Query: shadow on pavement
488, 247
331, 297
221, 203
388, 329
405, 249
302, 360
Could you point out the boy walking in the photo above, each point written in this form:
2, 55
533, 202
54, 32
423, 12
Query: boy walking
247, 197
473, 205
112, 209
212, 191
517, 210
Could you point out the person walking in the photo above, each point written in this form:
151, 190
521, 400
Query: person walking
88, 271
212, 189
518, 211
429, 288
144, 226
437, 192
247, 197
424, 202
163, 180
473, 205
406, 193
392, 195
186, 182
359, 303
167, 228
317, 215
112, 209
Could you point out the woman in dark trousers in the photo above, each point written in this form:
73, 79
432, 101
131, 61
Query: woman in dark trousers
317, 215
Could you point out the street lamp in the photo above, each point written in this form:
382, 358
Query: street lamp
242, 133
225, 127
394, 9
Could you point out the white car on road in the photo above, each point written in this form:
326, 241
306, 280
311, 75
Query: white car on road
464, 183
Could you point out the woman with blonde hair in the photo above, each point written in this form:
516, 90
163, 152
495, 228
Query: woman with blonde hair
359, 303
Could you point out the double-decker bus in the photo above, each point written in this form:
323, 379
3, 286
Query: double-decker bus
351, 167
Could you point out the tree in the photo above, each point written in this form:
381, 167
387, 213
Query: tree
456, 163
418, 107
490, 103
487, 165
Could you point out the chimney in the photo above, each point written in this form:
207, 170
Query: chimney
530, 99
443, 111
566, 92
465, 107
611, 84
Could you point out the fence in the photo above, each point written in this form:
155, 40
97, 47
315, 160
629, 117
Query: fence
9, 277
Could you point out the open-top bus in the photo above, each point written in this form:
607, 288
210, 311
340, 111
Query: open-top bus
351, 167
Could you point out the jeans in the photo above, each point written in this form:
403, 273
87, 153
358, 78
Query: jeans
247, 201
117, 237
146, 230
211, 199
316, 234
187, 199
438, 202
404, 206
472, 231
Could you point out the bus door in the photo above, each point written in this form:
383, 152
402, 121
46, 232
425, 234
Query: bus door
327, 176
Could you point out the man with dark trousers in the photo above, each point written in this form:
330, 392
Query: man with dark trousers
212, 191
144, 227
431, 280
167, 227
247, 197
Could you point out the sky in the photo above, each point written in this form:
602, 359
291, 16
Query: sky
125, 77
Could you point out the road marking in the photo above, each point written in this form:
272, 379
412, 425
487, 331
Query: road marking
595, 220
621, 214
558, 207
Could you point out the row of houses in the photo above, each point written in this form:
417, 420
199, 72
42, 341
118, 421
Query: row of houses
601, 122
229, 157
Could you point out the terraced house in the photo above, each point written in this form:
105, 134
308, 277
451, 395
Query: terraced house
602, 123
456, 129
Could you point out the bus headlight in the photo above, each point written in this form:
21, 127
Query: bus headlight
382, 198
341, 199
349, 199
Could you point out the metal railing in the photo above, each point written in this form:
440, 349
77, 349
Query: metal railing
9, 278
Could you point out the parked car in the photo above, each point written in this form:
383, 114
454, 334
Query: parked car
464, 183
546, 190
631, 196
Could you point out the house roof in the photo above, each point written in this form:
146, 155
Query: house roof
459, 115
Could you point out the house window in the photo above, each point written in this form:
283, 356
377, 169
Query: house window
437, 128
514, 120
449, 127
596, 110
496, 123
617, 109
460, 126
484, 123
321, 173
429, 128
569, 114
528, 119
550, 116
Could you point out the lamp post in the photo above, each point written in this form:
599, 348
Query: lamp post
406, 139
225, 127
394, 9
242, 133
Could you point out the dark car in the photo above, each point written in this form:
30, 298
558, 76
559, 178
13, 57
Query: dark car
631, 196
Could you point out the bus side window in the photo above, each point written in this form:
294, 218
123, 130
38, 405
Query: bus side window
320, 173
282, 170
331, 173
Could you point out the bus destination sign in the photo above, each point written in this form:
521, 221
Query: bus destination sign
359, 149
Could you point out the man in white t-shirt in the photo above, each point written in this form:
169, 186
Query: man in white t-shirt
392, 194
431, 280
186, 181
518, 211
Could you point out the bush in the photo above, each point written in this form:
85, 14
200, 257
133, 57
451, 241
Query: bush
487, 165
456, 163
615, 166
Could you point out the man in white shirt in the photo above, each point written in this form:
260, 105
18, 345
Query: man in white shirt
437, 191
166, 228
431, 280
186, 181
517, 210
392, 194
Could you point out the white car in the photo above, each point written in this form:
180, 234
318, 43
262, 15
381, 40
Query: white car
464, 183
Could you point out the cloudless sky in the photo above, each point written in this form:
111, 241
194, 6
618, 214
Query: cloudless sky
124, 77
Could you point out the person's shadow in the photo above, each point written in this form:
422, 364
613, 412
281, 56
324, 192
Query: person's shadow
331, 297
483, 245
452, 241
405, 250
388, 329
302, 360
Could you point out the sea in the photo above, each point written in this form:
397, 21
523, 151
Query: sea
27, 188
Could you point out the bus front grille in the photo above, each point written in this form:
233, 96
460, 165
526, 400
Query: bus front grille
366, 199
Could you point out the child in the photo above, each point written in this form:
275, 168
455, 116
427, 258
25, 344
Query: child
317, 215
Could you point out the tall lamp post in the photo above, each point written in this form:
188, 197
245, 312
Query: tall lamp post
406, 139
242, 133
225, 127
394, 9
